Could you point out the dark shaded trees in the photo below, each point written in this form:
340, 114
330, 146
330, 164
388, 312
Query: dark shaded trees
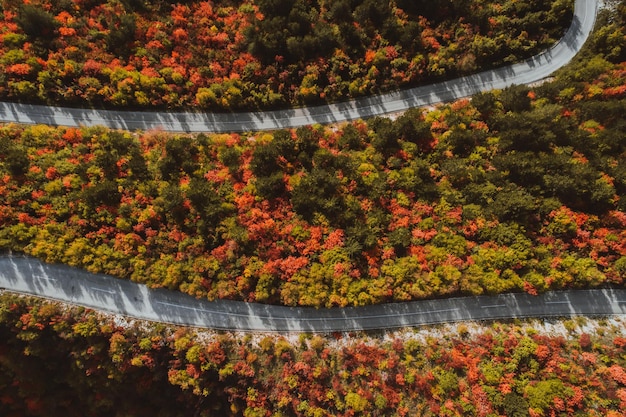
36, 22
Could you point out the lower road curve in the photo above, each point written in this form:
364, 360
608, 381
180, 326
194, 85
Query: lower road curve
102, 292
528, 71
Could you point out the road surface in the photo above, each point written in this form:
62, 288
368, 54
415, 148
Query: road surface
528, 71
102, 292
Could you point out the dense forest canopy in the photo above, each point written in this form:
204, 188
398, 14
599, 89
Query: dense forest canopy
522, 189
105, 367
256, 53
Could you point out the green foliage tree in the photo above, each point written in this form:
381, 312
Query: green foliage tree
515, 405
36, 22
515, 99
121, 36
102, 193
318, 192
15, 158
180, 158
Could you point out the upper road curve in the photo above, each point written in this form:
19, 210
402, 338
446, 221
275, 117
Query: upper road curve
528, 71
102, 292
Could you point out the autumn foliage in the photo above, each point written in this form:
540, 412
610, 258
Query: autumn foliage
466, 199
101, 366
255, 53
517, 190
522, 189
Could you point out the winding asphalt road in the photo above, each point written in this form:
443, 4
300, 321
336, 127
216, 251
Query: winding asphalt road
531, 70
102, 292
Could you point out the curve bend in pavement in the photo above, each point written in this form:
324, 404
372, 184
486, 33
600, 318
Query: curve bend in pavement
528, 71
105, 293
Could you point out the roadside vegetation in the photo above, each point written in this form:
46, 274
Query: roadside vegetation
105, 367
521, 189
518, 190
246, 54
